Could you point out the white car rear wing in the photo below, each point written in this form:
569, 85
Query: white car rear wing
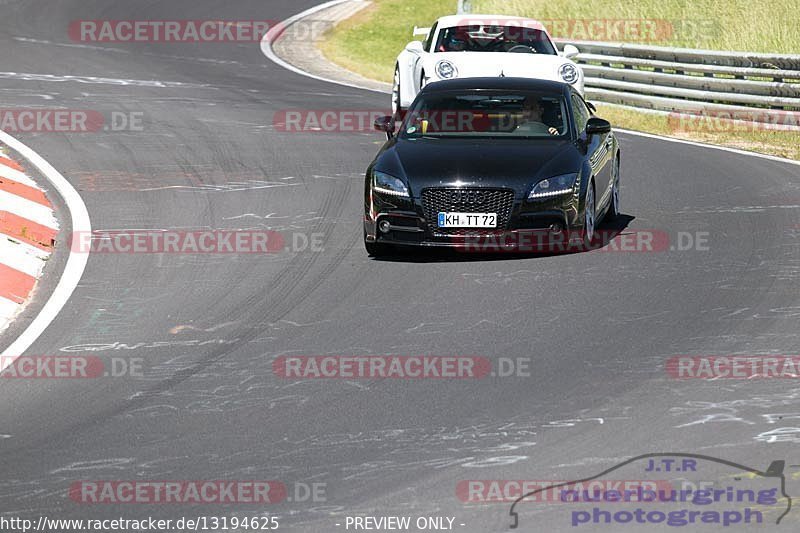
421, 31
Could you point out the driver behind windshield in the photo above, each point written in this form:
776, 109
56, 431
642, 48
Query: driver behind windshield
455, 45
533, 122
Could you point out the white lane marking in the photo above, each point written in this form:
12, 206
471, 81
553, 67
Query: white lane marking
736, 209
268, 39
266, 48
121, 51
22, 257
27, 76
76, 262
15, 175
71, 45
709, 146
28, 210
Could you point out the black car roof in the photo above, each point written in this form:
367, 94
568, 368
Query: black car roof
512, 84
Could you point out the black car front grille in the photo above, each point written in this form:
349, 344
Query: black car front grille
474, 200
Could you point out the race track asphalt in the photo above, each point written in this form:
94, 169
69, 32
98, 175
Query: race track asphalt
598, 327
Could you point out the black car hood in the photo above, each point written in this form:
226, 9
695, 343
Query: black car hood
513, 163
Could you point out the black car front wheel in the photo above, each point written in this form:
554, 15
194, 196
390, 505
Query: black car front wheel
589, 217
375, 249
613, 209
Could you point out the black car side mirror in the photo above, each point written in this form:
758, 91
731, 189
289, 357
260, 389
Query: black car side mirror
386, 125
597, 126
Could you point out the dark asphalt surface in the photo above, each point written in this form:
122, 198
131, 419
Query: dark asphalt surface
597, 327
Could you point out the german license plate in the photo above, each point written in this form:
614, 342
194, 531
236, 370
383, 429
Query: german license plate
467, 220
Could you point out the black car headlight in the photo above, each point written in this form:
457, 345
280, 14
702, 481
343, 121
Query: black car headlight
555, 186
569, 73
387, 184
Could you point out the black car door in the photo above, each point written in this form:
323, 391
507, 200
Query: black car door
599, 149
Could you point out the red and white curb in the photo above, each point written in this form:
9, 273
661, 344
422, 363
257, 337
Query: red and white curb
76, 262
28, 229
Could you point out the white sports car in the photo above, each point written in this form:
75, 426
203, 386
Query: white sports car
469, 46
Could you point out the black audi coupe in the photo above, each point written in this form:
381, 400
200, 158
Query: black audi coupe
491, 164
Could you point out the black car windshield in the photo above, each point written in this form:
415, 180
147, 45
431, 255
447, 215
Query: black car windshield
494, 114
482, 38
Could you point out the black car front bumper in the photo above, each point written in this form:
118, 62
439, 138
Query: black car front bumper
413, 221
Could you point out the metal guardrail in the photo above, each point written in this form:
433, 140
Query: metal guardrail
691, 81
689, 55
762, 87
739, 73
